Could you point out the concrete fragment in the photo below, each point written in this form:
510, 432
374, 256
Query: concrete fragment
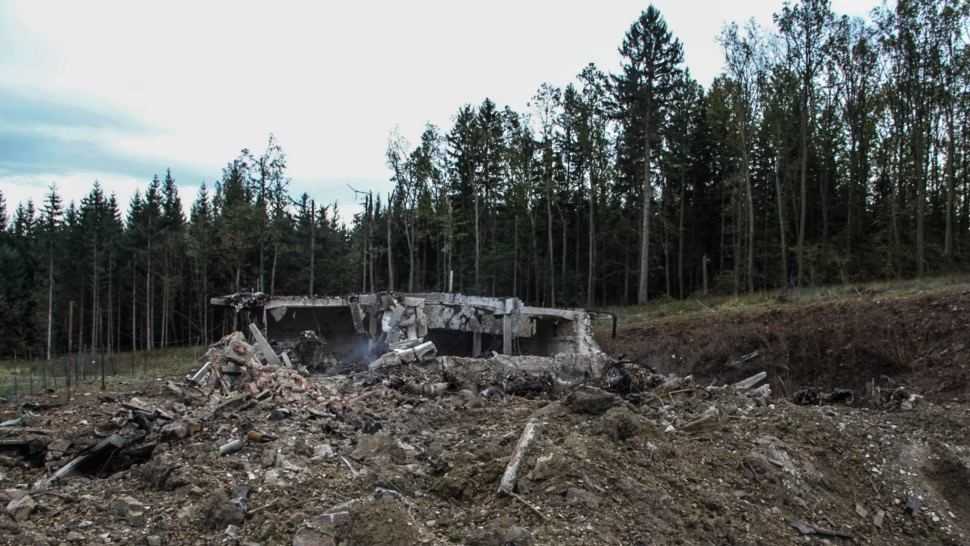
501, 534
20, 508
312, 537
232, 446
222, 510
263, 346
750, 382
129, 508
176, 430
591, 400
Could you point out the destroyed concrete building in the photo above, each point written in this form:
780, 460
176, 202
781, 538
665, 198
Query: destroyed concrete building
320, 332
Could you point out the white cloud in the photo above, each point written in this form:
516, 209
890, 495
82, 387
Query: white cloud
330, 79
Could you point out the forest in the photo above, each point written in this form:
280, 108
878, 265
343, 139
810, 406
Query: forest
830, 149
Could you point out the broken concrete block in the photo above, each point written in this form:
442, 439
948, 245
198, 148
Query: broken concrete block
264, 348
312, 537
222, 510
21, 507
501, 534
232, 446
129, 508
323, 451
178, 430
591, 400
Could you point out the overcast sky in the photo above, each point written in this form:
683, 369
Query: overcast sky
117, 91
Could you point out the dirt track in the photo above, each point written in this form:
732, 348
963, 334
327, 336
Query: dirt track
361, 462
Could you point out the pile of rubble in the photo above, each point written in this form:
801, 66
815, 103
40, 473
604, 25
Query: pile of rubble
234, 365
414, 448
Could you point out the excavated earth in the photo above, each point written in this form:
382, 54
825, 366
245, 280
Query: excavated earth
675, 459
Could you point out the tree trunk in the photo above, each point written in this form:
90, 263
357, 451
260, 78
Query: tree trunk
803, 182
372, 257
591, 271
680, 235
110, 321
920, 203
50, 301
205, 300
563, 228
94, 297
409, 223
750, 206
646, 197
950, 185
781, 221
478, 241
552, 261
164, 337
515, 255
272, 275
390, 250
149, 345
664, 212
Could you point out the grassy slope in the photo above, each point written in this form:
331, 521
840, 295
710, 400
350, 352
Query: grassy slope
160, 362
670, 310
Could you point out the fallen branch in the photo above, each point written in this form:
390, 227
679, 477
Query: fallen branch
346, 462
534, 508
511, 475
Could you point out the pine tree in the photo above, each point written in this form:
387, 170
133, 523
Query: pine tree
651, 64
50, 226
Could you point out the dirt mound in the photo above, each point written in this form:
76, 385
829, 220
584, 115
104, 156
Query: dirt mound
515, 450
859, 344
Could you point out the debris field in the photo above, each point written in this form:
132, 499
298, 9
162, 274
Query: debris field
411, 446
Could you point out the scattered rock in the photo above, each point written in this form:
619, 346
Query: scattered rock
312, 537
582, 497
372, 446
274, 478
501, 534
913, 504
21, 507
301, 447
380, 522
129, 508
221, 510
591, 400
178, 430
279, 414
323, 451
621, 424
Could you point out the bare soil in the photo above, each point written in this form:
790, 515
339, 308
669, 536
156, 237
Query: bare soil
361, 461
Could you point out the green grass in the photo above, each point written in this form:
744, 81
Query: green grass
20, 377
673, 309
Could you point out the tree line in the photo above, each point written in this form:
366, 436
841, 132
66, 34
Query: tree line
829, 149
